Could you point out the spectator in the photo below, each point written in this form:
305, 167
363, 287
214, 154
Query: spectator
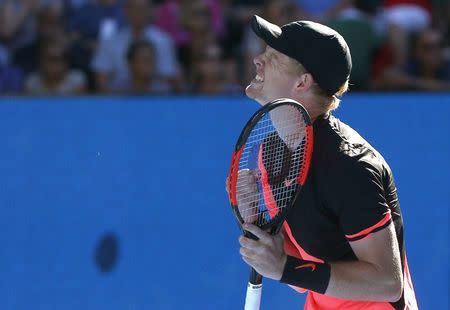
237, 15
11, 76
142, 79
212, 74
94, 21
409, 15
49, 25
322, 10
76, 4
174, 17
4, 54
241, 11
278, 12
11, 79
197, 20
359, 31
97, 19
54, 76
441, 17
17, 22
400, 19
109, 62
428, 69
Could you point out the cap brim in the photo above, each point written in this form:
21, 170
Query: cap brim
267, 31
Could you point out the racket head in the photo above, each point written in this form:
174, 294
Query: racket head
270, 163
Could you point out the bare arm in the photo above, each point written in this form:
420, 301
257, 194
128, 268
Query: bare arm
375, 276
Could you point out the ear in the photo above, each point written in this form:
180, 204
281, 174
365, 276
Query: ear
304, 82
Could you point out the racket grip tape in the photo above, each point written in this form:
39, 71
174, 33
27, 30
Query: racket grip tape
253, 296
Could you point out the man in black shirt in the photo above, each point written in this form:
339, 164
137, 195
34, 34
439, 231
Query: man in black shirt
343, 239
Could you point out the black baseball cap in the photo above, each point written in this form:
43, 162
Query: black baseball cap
320, 49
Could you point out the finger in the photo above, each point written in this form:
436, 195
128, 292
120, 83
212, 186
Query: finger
279, 236
248, 172
279, 240
244, 171
248, 253
282, 231
248, 243
258, 232
247, 176
249, 261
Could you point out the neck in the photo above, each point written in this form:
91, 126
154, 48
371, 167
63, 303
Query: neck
313, 108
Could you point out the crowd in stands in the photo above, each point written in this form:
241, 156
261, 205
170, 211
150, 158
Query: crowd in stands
135, 47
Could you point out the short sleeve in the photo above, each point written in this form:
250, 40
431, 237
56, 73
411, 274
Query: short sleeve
359, 199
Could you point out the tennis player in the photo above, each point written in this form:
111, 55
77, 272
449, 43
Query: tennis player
343, 240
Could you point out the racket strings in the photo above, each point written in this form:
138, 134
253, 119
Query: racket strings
270, 165
289, 129
254, 204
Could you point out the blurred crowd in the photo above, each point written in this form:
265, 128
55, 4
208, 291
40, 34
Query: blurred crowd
133, 47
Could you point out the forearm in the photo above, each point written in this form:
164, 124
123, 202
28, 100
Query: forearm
355, 280
358, 280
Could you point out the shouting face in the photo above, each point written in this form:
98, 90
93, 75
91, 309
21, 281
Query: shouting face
275, 77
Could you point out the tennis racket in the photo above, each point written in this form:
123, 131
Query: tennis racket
268, 168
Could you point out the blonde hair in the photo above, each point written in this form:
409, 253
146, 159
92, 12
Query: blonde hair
326, 102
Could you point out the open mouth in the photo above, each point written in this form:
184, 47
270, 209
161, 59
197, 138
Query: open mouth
259, 78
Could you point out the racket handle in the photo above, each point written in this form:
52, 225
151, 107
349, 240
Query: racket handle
254, 288
249, 235
253, 297
255, 277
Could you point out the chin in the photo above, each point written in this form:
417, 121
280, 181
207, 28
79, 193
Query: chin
249, 91
253, 94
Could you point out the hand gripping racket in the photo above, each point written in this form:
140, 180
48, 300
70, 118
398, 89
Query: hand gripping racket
268, 168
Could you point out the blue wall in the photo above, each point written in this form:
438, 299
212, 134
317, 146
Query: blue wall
151, 172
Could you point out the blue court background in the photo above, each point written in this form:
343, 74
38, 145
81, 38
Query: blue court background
152, 172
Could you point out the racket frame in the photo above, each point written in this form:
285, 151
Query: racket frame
254, 287
276, 222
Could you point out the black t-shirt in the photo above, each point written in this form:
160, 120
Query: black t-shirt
349, 194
